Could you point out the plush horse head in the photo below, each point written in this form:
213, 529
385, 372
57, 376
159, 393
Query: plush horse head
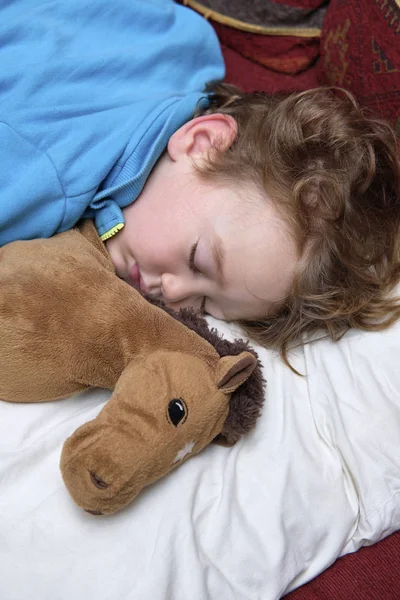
68, 323
165, 408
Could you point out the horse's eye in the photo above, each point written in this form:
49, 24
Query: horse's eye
177, 411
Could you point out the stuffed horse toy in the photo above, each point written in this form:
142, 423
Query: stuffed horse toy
68, 323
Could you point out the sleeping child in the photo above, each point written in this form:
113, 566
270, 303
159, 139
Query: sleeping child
279, 212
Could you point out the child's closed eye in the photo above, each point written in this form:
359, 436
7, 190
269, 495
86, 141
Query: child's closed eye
195, 269
192, 256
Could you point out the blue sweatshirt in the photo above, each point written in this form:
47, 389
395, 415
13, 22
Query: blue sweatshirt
90, 93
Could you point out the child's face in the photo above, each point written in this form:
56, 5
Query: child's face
215, 248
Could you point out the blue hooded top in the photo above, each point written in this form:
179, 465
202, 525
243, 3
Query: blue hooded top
90, 93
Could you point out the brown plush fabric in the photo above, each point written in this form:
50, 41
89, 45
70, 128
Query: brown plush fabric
69, 323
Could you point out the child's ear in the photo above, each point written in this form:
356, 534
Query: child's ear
202, 134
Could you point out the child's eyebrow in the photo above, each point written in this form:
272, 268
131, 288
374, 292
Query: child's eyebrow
218, 253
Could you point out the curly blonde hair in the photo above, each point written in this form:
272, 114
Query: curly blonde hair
334, 173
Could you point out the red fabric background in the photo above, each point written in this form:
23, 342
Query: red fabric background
372, 573
268, 63
360, 50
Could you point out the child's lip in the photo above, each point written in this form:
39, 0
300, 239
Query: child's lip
135, 279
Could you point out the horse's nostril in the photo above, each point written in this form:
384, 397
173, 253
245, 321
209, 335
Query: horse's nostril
97, 481
93, 512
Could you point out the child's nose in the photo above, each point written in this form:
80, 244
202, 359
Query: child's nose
173, 288
178, 292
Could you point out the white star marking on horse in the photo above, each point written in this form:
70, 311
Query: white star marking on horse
185, 450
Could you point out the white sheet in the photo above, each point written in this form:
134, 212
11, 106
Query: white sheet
317, 478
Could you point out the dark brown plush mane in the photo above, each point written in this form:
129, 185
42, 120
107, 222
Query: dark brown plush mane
247, 401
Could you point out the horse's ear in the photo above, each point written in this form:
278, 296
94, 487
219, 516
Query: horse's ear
232, 371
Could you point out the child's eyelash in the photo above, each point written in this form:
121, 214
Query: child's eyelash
191, 258
196, 270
